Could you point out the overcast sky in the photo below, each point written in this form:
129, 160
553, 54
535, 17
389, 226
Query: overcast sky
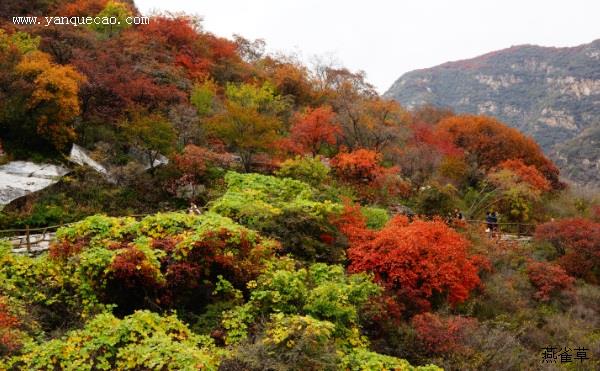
386, 38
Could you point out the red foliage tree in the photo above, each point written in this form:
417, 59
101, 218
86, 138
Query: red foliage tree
221, 49
442, 335
424, 135
383, 308
527, 173
424, 152
578, 241
549, 279
419, 261
313, 129
181, 279
491, 142
150, 66
65, 249
115, 83
180, 39
195, 161
175, 33
197, 68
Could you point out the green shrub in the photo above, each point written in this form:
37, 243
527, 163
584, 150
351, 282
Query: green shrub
291, 342
5, 247
306, 237
314, 321
376, 218
143, 340
95, 230
322, 291
164, 224
307, 169
285, 209
361, 359
169, 260
435, 200
45, 288
252, 199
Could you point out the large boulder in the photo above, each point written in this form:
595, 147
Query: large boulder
19, 178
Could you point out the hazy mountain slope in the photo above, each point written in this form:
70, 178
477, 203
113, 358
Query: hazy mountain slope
552, 94
579, 158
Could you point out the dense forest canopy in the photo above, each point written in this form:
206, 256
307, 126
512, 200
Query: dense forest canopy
328, 227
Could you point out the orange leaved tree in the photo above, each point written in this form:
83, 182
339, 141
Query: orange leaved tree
53, 103
490, 142
361, 168
528, 174
313, 129
361, 165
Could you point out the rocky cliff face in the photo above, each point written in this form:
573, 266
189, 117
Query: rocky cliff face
552, 94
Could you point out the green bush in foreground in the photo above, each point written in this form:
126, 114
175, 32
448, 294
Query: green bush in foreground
46, 289
322, 291
305, 319
143, 340
161, 262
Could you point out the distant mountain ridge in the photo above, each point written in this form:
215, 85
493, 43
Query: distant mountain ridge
552, 94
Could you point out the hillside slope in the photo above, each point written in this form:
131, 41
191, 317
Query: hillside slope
552, 94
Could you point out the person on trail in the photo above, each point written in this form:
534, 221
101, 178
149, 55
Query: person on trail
489, 222
494, 223
458, 214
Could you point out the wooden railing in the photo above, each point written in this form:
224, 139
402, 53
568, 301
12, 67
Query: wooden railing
36, 240
518, 229
33, 241
30, 240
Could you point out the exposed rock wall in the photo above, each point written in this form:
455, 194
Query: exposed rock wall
19, 178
